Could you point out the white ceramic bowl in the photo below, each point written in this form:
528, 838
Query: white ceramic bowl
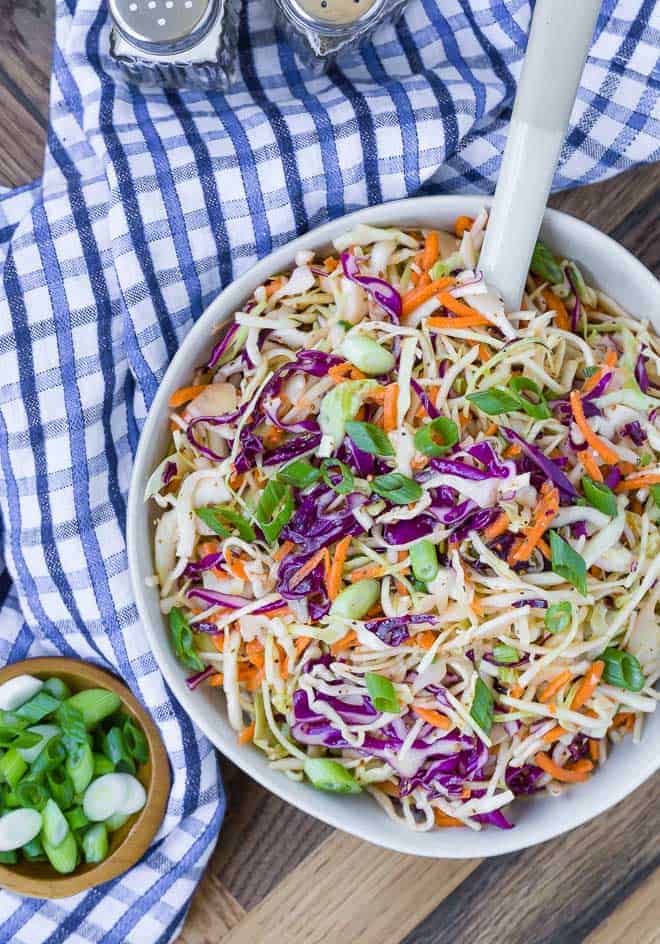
607, 265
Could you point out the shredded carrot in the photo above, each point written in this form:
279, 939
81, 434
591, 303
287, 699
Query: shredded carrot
434, 718
273, 436
255, 653
484, 353
390, 404
476, 606
638, 481
219, 641
418, 295
497, 527
346, 642
546, 510
473, 320
424, 640
544, 549
517, 691
582, 766
282, 551
330, 264
414, 278
458, 307
273, 287
254, 679
338, 371
217, 680
280, 611
368, 571
236, 479
301, 644
445, 822
623, 719
588, 686
554, 734
590, 465
235, 565
553, 303
284, 663
388, 787
337, 567
554, 685
207, 547
246, 734
431, 250
606, 452
462, 224
377, 395
432, 393
185, 395
594, 749
356, 374
423, 280
559, 773
419, 462
308, 567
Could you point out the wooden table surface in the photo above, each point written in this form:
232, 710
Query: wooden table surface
280, 877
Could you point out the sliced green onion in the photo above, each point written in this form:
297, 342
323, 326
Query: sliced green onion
539, 408
18, 828
590, 371
95, 843
8, 858
102, 765
329, 775
31, 794
346, 481
18, 690
506, 654
33, 850
135, 796
567, 563
50, 757
136, 742
367, 355
80, 766
369, 438
60, 787
623, 670
482, 709
114, 748
182, 640
38, 707
63, 857
655, 494
104, 797
222, 520
57, 688
26, 740
8, 735
356, 600
95, 705
545, 265
12, 767
72, 723
437, 437
424, 560
382, 694
76, 818
299, 473
116, 821
494, 401
558, 617
275, 509
600, 496
55, 826
397, 488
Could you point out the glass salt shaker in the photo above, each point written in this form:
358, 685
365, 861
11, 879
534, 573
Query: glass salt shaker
180, 43
321, 29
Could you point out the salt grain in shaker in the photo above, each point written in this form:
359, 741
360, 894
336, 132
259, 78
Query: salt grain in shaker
185, 43
321, 29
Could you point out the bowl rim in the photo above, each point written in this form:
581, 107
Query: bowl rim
142, 831
384, 214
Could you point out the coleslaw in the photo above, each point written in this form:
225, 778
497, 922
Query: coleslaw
413, 538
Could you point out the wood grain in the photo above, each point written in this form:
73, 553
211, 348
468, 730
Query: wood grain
213, 913
637, 920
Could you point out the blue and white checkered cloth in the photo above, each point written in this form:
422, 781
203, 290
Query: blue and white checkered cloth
150, 203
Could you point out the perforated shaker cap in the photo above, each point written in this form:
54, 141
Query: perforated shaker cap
162, 25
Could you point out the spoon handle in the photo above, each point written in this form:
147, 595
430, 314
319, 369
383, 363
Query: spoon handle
557, 49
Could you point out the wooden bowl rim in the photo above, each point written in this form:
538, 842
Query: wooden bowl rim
145, 827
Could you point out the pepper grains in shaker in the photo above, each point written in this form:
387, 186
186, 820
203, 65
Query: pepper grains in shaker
321, 29
181, 43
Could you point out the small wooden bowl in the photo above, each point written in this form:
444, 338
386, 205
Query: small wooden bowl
128, 844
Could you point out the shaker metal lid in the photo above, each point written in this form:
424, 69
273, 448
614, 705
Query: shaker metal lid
339, 12
151, 23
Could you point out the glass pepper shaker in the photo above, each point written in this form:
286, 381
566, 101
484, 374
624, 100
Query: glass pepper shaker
321, 29
180, 43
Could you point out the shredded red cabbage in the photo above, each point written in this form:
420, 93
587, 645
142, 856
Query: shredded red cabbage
292, 449
195, 568
169, 472
194, 680
641, 375
411, 529
550, 468
229, 600
425, 400
393, 630
576, 311
461, 469
635, 431
534, 603
384, 293
222, 346
523, 780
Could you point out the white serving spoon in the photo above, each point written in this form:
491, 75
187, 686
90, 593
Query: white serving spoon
557, 49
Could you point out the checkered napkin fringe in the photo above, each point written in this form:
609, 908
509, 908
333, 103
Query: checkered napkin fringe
149, 204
